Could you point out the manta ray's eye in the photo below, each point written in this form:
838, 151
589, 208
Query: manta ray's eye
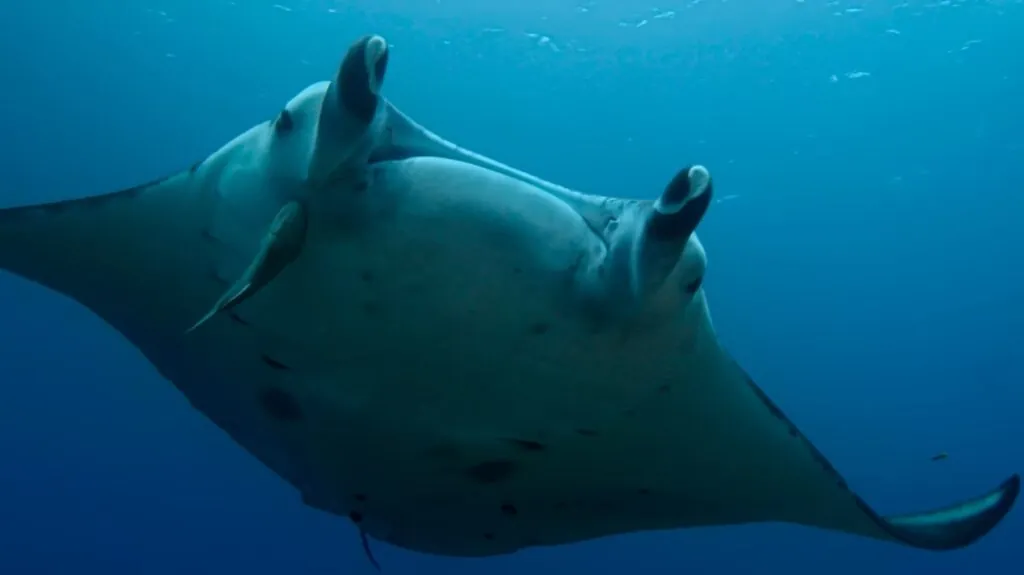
284, 122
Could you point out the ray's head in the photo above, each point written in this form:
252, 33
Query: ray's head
332, 126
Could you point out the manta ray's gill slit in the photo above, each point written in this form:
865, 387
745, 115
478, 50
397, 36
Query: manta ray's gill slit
273, 363
526, 444
238, 319
692, 287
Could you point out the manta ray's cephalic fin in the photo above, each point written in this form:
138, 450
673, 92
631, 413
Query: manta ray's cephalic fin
280, 246
650, 239
667, 228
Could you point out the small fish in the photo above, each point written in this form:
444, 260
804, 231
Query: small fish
940, 456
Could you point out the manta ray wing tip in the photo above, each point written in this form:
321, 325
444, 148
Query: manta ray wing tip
959, 525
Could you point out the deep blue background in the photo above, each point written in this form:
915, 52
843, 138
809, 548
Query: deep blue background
868, 271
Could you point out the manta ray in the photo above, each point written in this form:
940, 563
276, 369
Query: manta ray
458, 356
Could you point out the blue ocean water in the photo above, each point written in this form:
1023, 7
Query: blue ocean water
864, 250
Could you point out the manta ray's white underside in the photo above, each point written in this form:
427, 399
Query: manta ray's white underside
430, 370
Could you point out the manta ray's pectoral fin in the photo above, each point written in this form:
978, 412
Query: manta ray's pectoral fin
137, 257
777, 474
280, 246
954, 526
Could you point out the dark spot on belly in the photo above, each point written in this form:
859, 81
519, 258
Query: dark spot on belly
273, 363
692, 287
356, 517
539, 328
492, 471
586, 432
509, 510
526, 444
280, 405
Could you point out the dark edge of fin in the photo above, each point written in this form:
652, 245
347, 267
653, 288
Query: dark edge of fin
14, 213
954, 526
38, 241
943, 529
60, 206
365, 539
